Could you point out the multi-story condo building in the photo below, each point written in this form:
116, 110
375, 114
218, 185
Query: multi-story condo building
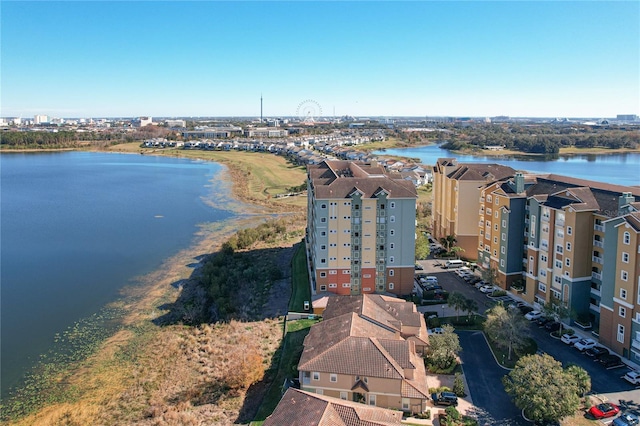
569, 241
360, 229
502, 208
456, 194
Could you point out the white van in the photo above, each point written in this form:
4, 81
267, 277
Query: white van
451, 264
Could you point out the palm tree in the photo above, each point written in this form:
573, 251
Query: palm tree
456, 301
457, 250
448, 242
470, 306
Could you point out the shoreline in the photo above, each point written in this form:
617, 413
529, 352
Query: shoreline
142, 302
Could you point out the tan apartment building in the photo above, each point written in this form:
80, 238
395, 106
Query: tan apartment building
360, 229
300, 408
363, 358
456, 195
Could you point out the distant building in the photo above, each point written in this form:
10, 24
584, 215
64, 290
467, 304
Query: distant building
627, 117
41, 119
264, 132
360, 229
176, 123
145, 121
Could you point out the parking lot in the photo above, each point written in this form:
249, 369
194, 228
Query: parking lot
484, 374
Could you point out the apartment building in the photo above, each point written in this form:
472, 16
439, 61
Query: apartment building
360, 229
456, 195
354, 358
567, 240
502, 208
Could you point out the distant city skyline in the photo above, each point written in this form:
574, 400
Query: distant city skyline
414, 59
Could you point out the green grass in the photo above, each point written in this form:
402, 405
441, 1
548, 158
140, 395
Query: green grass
502, 354
290, 353
301, 291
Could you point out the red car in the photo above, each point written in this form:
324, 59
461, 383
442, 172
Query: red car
602, 411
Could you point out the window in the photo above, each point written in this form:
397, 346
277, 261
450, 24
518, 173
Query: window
626, 239
542, 287
392, 232
568, 246
392, 245
372, 399
323, 219
346, 271
502, 263
391, 286
624, 276
391, 259
405, 404
392, 219
495, 240
343, 395
567, 262
497, 200
332, 272
622, 312
569, 230
495, 227
323, 206
488, 198
391, 272
333, 285
323, 274
502, 250
620, 336
316, 375
323, 233
346, 285
504, 223
543, 257
489, 211
543, 273
625, 257
392, 205
559, 249
365, 380
557, 280
333, 377
623, 294
558, 264
323, 287
504, 237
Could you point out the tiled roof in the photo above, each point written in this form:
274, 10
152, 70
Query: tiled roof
386, 311
481, 172
339, 179
300, 408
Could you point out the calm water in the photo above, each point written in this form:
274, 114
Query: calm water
77, 227
621, 169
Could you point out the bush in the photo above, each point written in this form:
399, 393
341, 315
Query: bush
458, 385
498, 293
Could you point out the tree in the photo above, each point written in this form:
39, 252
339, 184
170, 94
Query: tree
490, 276
443, 348
542, 389
422, 247
581, 377
458, 385
456, 301
456, 250
448, 242
470, 306
507, 328
559, 310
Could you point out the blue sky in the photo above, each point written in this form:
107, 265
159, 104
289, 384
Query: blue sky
472, 58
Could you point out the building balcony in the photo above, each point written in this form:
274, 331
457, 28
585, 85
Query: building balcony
594, 308
526, 221
596, 275
597, 259
595, 291
635, 344
598, 243
598, 227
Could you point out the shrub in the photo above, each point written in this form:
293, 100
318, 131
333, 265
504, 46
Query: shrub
458, 385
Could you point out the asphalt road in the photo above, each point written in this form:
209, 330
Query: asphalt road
484, 378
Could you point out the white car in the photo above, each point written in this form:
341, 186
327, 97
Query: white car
632, 377
487, 289
584, 344
437, 330
533, 315
570, 339
463, 271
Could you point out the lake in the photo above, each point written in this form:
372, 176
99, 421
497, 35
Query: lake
621, 169
77, 227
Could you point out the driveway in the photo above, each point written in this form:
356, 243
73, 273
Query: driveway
484, 377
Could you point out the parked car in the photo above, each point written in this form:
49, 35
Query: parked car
437, 330
444, 398
610, 361
627, 419
569, 339
474, 279
604, 410
487, 289
584, 344
480, 284
542, 321
525, 309
632, 377
552, 326
596, 352
533, 315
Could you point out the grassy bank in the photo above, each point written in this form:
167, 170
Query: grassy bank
153, 372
